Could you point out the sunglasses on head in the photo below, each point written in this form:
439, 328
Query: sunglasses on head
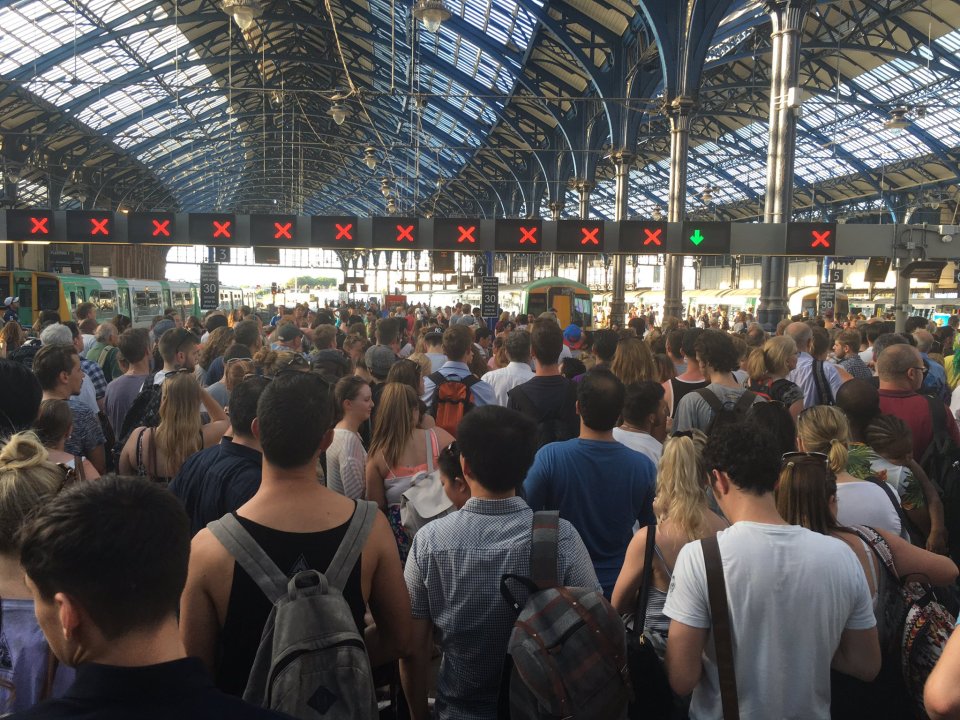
795, 458
175, 372
451, 450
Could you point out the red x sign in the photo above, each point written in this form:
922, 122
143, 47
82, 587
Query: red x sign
404, 232
343, 231
653, 236
820, 238
590, 236
99, 227
161, 227
528, 235
39, 226
466, 233
282, 230
221, 229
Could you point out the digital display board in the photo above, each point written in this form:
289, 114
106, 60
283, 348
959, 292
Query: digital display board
704, 238
277, 231
214, 229
518, 235
641, 237
402, 233
454, 234
29, 225
90, 226
158, 228
580, 236
811, 239
331, 231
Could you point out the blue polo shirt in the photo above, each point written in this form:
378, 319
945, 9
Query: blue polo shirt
217, 480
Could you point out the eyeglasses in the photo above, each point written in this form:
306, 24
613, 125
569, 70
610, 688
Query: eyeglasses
232, 361
795, 458
923, 369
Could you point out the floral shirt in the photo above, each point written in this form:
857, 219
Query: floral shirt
864, 462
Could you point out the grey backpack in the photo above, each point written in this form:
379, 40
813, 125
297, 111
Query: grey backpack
311, 662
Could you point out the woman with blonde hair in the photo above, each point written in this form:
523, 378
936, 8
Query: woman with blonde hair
824, 429
28, 478
53, 426
157, 453
399, 451
270, 362
683, 515
768, 368
633, 362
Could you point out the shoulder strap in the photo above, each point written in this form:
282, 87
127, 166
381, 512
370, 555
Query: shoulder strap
140, 468
78, 468
338, 572
543, 548
824, 394
722, 639
437, 378
646, 580
251, 557
938, 414
745, 401
431, 440
103, 352
879, 547
905, 523
470, 380
711, 397
152, 454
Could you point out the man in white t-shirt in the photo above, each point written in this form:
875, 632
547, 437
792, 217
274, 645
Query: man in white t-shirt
798, 601
644, 426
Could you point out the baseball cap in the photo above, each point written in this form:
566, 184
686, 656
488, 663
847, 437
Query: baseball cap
161, 327
436, 332
289, 332
572, 333
379, 359
11, 300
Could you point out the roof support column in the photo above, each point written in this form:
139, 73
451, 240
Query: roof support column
786, 18
556, 210
680, 112
583, 189
621, 163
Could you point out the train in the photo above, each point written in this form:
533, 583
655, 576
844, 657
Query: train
140, 300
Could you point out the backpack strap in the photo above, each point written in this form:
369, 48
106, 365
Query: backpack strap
939, 439
879, 547
744, 402
711, 397
251, 557
437, 378
78, 468
646, 580
543, 548
824, 393
338, 572
722, 639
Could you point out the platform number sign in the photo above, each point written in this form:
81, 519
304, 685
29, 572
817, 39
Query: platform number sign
209, 286
828, 298
218, 254
489, 297
836, 276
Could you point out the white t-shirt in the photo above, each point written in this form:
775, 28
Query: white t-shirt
791, 593
863, 503
643, 443
346, 464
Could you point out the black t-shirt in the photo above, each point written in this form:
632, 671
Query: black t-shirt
681, 388
248, 607
554, 396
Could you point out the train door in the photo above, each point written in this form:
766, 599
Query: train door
167, 301
50, 296
563, 305
23, 288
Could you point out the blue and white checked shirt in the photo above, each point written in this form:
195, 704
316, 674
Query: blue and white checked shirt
453, 577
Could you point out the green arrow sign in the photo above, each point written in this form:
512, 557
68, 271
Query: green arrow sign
697, 237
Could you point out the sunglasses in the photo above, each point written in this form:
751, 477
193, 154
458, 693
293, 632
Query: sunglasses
795, 458
451, 450
175, 372
184, 337
682, 433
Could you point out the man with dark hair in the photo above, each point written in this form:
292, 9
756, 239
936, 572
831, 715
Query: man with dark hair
901, 372
299, 523
518, 371
455, 565
691, 379
390, 332
846, 349
673, 346
179, 348
458, 348
106, 562
810, 587
433, 340
221, 478
914, 323
935, 379
599, 485
58, 369
137, 349
604, 347
644, 426
20, 399
717, 357
868, 336
548, 398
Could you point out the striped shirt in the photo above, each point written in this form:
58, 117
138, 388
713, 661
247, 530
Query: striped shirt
453, 577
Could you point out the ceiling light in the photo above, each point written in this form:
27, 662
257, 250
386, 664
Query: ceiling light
657, 213
431, 13
385, 188
707, 195
339, 113
12, 170
370, 157
898, 119
243, 12
392, 206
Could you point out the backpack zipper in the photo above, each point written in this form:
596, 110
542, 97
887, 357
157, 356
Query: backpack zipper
288, 659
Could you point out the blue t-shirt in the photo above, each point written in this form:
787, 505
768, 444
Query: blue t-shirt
602, 488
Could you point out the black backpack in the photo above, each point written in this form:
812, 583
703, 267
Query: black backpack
941, 463
25, 353
143, 412
726, 413
556, 424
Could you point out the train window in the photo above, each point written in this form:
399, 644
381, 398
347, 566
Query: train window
166, 299
124, 304
106, 302
536, 304
48, 293
146, 304
73, 300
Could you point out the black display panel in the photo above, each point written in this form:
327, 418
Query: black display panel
214, 229
580, 236
704, 238
642, 237
333, 231
276, 231
156, 228
401, 233
29, 225
518, 235
811, 239
90, 226
456, 234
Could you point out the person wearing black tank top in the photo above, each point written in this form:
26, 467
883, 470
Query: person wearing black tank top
299, 523
691, 379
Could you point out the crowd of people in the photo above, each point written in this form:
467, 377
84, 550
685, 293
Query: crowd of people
168, 494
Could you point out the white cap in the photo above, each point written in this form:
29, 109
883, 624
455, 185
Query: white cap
10, 300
